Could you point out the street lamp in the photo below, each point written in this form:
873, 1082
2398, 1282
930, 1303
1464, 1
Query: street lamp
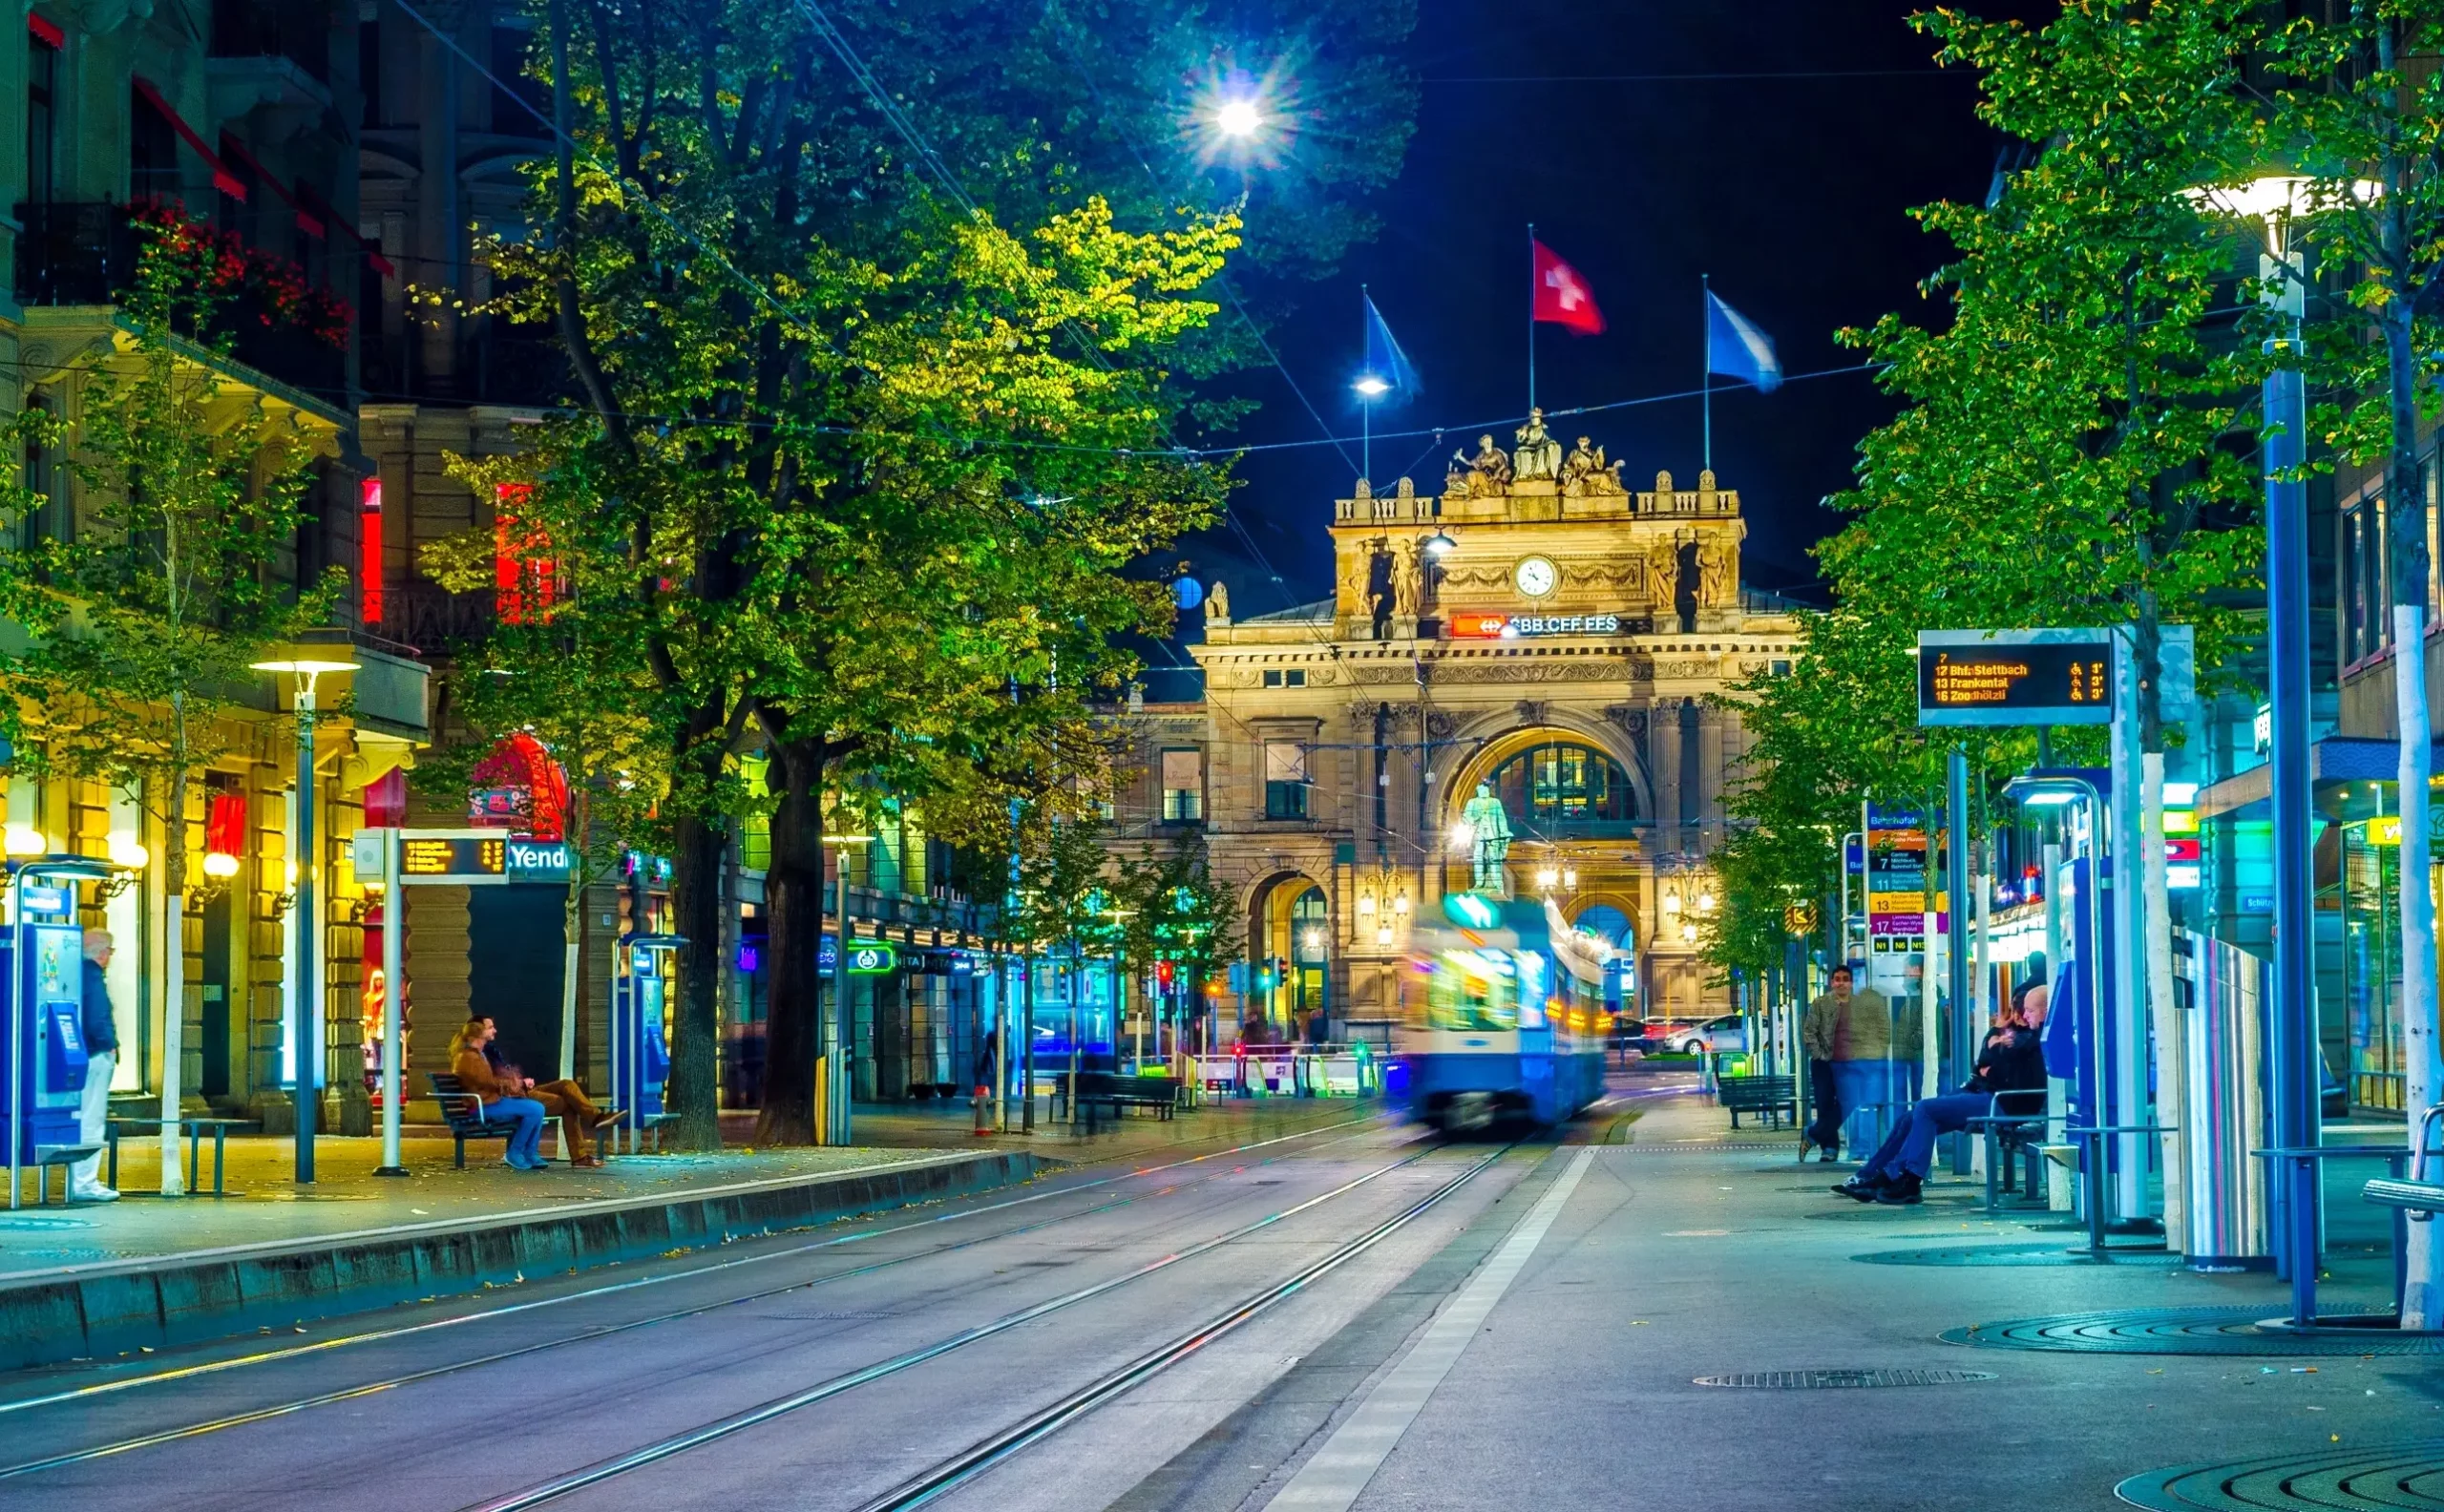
1241, 117
305, 1006
833, 1116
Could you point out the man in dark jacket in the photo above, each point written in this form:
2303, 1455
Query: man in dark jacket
2012, 1061
101, 1027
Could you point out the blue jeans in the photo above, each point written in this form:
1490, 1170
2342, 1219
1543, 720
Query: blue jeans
1863, 1084
529, 1115
1911, 1145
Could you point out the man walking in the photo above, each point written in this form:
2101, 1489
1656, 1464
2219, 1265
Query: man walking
1862, 1055
1816, 1034
100, 1028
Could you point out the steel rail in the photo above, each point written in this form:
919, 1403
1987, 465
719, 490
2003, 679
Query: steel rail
601, 1470
485, 1315
978, 1457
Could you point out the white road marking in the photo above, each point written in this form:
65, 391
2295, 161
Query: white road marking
1332, 1480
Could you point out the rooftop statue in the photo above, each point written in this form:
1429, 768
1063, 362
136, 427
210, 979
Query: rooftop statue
1488, 472
1586, 472
1538, 456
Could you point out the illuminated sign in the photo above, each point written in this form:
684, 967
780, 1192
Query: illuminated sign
464, 857
870, 957
1471, 625
1471, 910
1967, 678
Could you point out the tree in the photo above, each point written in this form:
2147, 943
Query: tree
140, 626
1178, 914
2371, 105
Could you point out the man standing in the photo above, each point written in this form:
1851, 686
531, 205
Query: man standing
100, 1028
1816, 1034
1862, 1068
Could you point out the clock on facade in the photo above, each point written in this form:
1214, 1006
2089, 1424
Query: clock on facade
1535, 577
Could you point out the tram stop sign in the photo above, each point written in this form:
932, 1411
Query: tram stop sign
2042, 676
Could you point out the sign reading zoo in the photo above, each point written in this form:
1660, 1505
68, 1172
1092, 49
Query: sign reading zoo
2014, 676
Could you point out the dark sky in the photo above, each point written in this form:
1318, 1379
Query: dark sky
1791, 191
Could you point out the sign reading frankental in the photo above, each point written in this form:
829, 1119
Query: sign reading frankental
2014, 676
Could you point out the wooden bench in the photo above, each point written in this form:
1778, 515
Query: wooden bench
1771, 1095
464, 1112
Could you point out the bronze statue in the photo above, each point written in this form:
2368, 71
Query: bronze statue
1538, 454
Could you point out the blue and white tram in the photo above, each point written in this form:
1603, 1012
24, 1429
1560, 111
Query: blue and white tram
1492, 1029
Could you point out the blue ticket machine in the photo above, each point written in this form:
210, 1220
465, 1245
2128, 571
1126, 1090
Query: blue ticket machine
44, 1079
640, 1026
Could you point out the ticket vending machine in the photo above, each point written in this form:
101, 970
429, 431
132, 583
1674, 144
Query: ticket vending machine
43, 1078
640, 1028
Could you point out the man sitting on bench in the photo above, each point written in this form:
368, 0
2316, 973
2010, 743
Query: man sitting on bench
2012, 1061
564, 1099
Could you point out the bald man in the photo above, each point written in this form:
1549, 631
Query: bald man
101, 1062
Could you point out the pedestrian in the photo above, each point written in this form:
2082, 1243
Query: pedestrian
2012, 1062
563, 1099
498, 1098
1866, 1079
1816, 1038
100, 1028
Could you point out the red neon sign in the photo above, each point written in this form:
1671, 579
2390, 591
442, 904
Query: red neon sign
369, 550
1479, 627
523, 575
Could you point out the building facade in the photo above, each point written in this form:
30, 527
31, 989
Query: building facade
1539, 633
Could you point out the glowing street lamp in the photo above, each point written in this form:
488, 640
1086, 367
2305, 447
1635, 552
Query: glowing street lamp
1240, 117
1371, 386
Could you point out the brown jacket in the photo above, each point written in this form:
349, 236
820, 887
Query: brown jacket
475, 1073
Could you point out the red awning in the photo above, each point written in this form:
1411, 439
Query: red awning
46, 31
223, 178
307, 221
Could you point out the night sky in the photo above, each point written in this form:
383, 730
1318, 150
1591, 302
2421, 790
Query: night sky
1791, 191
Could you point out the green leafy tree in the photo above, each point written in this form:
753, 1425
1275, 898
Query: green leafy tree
136, 630
1177, 913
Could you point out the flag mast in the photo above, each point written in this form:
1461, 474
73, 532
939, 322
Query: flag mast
1706, 380
1365, 402
1532, 314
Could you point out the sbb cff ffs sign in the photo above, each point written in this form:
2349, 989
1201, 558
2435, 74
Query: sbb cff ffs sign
2014, 676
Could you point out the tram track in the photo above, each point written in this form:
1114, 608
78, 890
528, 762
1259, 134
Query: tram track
980, 1456
293, 1407
486, 1314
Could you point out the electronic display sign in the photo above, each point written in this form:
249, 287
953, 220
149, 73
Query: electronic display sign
465, 857
2016, 677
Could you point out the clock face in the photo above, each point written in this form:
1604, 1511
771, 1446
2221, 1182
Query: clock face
1535, 577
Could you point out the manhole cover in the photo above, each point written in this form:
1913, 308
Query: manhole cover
26, 1224
2192, 1330
2036, 1254
1835, 1379
2408, 1474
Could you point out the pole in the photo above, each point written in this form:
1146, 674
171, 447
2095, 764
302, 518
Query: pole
1532, 314
1706, 360
394, 928
1027, 1052
1365, 403
2293, 1013
2127, 1036
1957, 962
837, 1089
20, 1064
307, 1014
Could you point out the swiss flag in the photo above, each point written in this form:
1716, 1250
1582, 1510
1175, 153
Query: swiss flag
1561, 295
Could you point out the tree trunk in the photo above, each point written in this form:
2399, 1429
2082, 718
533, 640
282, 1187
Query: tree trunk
174, 988
693, 1095
794, 920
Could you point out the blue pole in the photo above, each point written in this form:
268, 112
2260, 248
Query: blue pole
2294, 1015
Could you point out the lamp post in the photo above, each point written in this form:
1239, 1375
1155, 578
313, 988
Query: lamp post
306, 1003
833, 1117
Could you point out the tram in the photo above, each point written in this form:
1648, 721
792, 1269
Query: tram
1500, 1022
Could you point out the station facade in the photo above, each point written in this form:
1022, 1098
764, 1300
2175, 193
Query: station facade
1539, 633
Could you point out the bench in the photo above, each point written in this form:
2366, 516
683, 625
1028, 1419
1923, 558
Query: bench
1770, 1096
63, 1156
1159, 1093
2015, 1139
118, 1128
1102, 1090
464, 1112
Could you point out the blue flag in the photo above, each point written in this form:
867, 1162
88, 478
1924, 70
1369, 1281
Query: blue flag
1386, 364
1737, 349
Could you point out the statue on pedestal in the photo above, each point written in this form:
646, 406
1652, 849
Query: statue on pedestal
1490, 838
1714, 573
1488, 472
1538, 456
1217, 604
1586, 472
1408, 581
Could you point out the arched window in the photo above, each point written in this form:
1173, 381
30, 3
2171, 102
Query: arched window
1565, 789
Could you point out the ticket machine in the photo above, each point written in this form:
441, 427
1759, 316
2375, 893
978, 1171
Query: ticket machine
639, 1027
42, 1061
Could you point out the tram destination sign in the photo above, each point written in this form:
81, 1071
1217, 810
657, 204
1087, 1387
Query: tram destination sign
464, 857
2016, 676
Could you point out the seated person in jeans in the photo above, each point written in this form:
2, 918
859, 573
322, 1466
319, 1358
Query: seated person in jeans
2012, 1061
564, 1099
499, 1098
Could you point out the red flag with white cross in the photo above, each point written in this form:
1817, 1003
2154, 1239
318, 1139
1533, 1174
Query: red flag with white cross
1561, 295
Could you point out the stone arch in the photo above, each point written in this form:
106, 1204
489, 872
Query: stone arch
1553, 725
1270, 912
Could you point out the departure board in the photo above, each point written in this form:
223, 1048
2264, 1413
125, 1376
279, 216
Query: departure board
467, 858
2067, 680
483, 856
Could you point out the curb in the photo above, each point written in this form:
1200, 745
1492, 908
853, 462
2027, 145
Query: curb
97, 1311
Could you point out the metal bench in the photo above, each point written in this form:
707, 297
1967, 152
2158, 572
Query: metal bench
2415, 1196
1769, 1096
46, 1156
2013, 1139
464, 1112
118, 1128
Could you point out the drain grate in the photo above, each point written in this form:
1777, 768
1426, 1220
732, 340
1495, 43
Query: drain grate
1837, 1380
2192, 1330
2028, 1254
1698, 1150
2408, 1474
22, 1223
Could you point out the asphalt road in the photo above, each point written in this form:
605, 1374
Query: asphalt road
1355, 1317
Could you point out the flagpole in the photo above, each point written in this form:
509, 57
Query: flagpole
1706, 355
1532, 314
1365, 402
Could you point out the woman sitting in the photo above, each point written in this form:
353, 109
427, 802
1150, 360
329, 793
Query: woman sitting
2010, 1062
499, 1100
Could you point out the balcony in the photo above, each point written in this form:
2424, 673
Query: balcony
297, 30
84, 253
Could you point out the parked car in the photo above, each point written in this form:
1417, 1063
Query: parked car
1669, 1036
1727, 1035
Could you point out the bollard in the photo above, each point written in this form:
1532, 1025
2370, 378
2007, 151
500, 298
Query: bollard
983, 1105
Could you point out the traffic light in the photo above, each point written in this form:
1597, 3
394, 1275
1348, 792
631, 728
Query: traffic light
1164, 972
